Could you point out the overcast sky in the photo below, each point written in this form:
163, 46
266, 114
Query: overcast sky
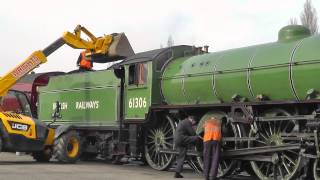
26, 26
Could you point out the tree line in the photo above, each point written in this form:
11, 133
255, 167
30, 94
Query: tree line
308, 18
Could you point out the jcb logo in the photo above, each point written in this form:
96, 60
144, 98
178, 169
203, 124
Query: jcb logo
20, 127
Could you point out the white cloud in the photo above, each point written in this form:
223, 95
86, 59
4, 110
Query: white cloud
26, 26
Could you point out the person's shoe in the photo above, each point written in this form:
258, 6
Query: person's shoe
212, 178
178, 175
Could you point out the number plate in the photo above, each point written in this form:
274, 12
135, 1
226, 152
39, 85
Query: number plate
137, 102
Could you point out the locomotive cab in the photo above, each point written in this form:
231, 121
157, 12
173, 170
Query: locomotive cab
142, 80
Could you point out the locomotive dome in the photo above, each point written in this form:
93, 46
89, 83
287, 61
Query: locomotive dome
293, 32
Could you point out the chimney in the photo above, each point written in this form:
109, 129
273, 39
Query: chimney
199, 50
206, 49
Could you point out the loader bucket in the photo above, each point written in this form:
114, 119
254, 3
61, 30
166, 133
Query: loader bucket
120, 48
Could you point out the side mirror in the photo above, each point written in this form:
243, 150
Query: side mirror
57, 112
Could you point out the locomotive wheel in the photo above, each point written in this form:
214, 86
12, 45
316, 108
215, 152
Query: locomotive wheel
160, 137
268, 134
316, 169
226, 166
67, 148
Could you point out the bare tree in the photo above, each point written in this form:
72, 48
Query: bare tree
309, 17
293, 21
170, 41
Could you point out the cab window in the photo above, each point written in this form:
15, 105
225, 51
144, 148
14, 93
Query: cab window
138, 74
16, 102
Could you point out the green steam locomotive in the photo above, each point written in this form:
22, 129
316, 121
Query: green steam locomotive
266, 95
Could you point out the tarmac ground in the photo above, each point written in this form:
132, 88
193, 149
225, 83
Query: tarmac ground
13, 167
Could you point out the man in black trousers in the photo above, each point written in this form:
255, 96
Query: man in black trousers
184, 136
211, 148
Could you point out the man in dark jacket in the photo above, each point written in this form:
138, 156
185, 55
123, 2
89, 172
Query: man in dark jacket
184, 136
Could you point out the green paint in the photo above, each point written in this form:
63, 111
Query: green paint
138, 97
174, 82
203, 79
270, 73
292, 33
86, 98
248, 72
306, 68
231, 73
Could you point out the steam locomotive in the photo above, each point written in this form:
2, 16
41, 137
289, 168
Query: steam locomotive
267, 97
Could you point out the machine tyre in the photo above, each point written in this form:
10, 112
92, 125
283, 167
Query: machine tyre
67, 148
0, 144
42, 156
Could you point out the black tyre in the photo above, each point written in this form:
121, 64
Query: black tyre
0, 144
42, 156
67, 148
86, 156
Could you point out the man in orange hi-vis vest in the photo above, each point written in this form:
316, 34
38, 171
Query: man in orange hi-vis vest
211, 144
84, 63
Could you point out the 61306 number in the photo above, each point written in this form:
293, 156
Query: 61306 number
137, 102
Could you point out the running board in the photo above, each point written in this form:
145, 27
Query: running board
243, 151
260, 150
260, 158
171, 151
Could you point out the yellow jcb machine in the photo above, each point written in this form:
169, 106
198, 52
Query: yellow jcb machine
25, 134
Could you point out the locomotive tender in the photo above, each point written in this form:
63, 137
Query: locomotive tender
266, 95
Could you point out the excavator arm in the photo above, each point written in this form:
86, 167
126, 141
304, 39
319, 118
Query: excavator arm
9, 79
103, 49
111, 47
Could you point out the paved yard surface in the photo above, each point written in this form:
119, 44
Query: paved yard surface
14, 167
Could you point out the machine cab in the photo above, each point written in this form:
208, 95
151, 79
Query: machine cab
16, 102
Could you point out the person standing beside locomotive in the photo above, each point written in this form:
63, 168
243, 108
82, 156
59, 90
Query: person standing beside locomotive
184, 136
211, 148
